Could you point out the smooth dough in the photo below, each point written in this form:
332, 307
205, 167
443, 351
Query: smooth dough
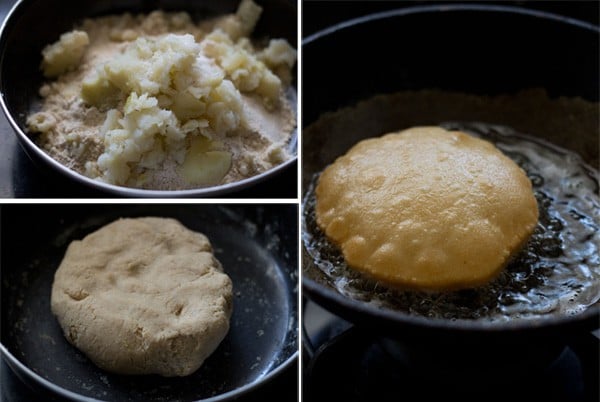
143, 296
426, 209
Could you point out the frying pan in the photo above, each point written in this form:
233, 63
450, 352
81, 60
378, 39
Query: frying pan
21, 78
454, 62
257, 246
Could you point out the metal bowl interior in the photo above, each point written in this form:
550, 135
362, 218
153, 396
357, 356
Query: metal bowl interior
21, 78
257, 246
453, 51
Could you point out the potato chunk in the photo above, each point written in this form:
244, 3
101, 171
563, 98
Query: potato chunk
203, 166
65, 54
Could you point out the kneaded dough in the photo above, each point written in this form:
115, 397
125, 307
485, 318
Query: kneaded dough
426, 209
143, 296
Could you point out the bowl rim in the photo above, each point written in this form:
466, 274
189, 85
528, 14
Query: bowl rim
359, 311
21, 370
421, 9
31, 149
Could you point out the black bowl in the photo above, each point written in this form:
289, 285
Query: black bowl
32, 24
257, 246
465, 50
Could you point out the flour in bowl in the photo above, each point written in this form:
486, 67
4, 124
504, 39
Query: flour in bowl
158, 102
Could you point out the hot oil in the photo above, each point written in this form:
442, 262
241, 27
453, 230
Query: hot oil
557, 272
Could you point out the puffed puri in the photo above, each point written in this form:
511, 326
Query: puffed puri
426, 209
143, 296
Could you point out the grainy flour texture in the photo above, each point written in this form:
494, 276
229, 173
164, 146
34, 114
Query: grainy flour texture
160, 102
143, 296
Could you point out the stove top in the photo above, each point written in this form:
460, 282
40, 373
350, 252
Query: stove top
349, 363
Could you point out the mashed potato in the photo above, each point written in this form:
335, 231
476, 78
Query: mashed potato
156, 101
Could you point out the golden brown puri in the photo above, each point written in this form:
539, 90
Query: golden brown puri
426, 209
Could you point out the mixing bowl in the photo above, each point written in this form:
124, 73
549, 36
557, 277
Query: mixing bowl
32, 24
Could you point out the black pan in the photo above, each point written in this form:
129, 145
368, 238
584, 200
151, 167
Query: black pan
477, 60
257, 246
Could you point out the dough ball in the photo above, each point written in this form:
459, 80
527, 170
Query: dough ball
426, 209
143, 296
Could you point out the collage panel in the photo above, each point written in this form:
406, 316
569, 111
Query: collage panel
450, 201
149, 99
386, 199
149, 302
